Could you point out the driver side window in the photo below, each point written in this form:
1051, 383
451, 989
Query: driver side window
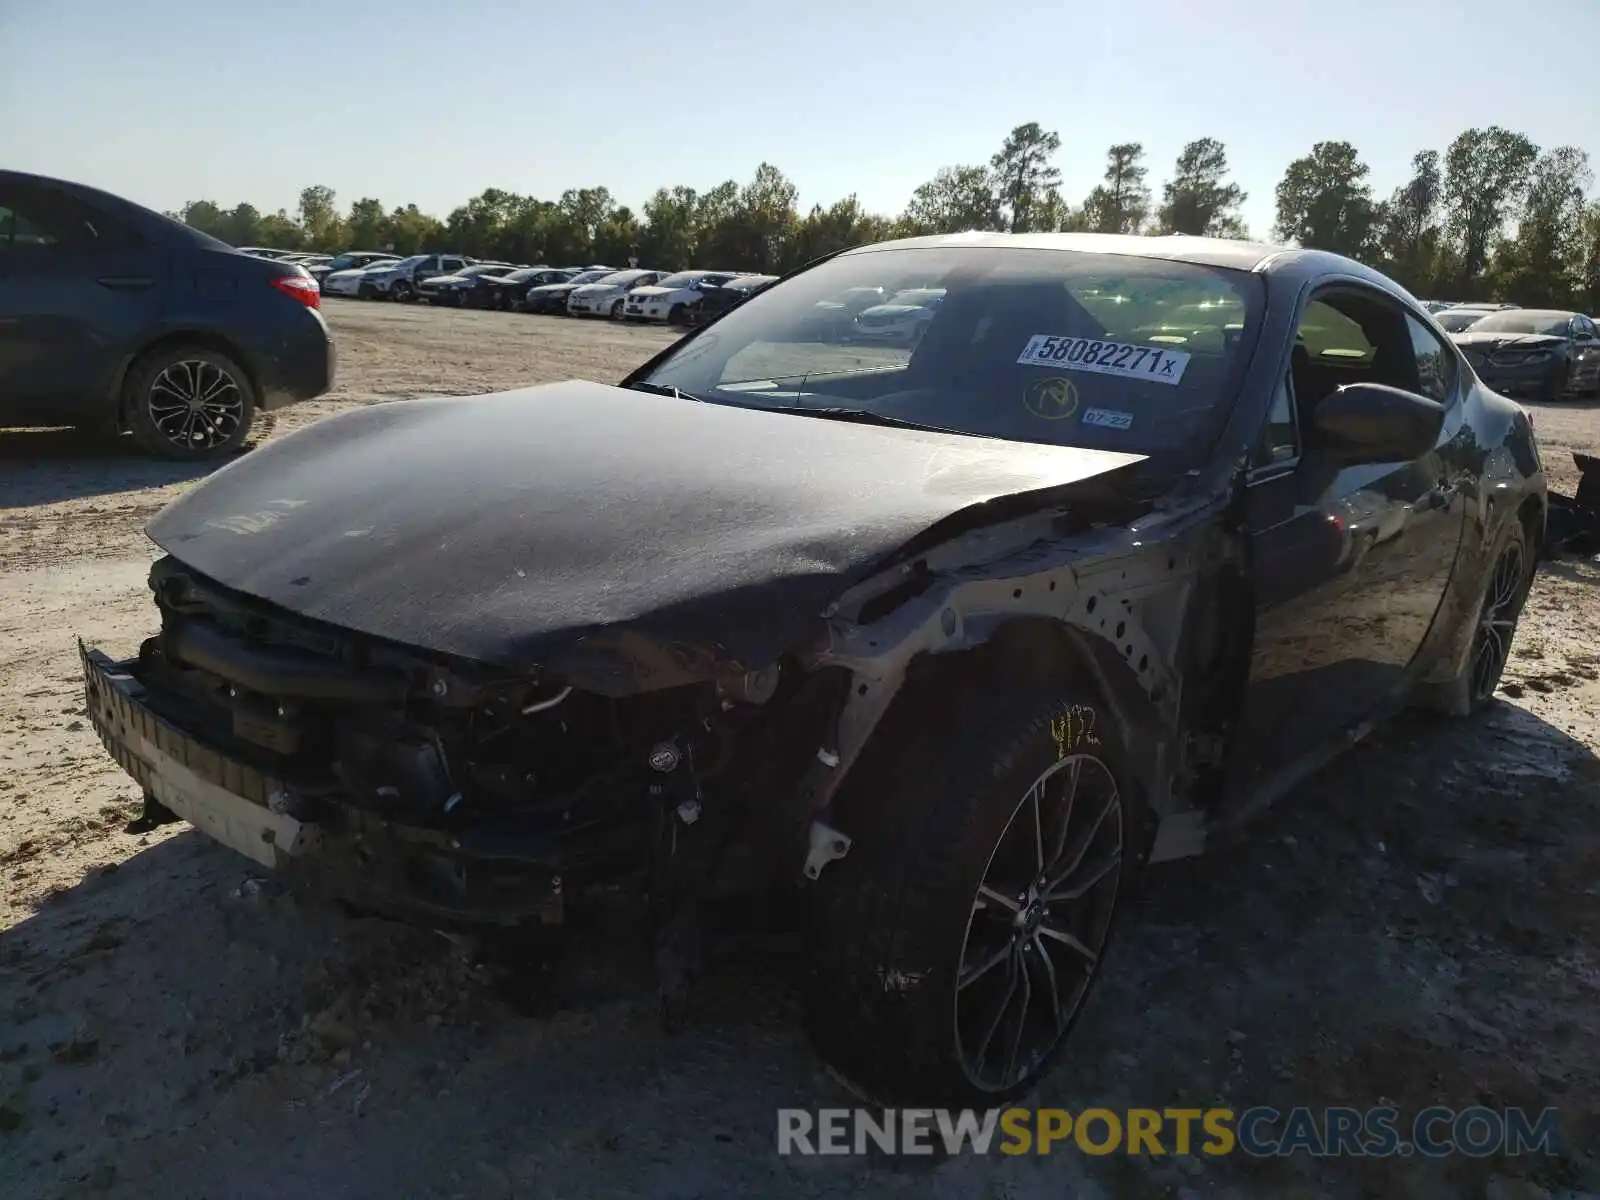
1354, 335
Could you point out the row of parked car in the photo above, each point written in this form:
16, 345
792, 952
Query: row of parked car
868, 314
1531, 353
596, 290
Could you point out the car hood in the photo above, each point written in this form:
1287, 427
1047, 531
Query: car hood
588, 290
1487, 341
654, 292
552, 288
614, 536
444, 280
347, 272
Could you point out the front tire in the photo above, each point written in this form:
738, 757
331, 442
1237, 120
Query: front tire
957, 941
402, 291
189, 403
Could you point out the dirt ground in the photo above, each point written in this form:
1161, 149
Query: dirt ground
1417, 926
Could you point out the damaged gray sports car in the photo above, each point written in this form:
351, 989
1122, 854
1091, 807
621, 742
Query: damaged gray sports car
946, 640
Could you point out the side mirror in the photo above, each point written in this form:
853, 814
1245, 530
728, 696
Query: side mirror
1374, 423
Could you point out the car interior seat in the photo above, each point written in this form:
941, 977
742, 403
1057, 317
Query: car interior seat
1308, 387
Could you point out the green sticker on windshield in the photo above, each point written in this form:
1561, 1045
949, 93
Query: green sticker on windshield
1054, 398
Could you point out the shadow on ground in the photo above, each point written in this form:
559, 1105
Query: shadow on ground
1414, 927
41, 466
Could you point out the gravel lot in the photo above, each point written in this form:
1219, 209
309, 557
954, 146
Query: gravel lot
1417, 925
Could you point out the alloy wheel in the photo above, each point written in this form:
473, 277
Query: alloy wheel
1497, 622
1039, 922
195, 404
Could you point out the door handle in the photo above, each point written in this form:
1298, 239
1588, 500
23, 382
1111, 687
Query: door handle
125, 283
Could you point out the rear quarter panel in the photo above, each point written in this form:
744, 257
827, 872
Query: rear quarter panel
227, 299
1500, 483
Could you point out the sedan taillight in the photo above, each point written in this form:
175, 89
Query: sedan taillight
300, 287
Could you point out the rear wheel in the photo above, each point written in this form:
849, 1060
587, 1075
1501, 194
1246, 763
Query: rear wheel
1505, 591
402, 290
616, 310
1503, 598
189, 403
959, 937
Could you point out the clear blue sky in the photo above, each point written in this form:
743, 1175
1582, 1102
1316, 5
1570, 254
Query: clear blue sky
170, 100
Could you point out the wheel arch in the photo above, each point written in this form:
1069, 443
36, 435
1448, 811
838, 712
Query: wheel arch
1532, 512
208, 339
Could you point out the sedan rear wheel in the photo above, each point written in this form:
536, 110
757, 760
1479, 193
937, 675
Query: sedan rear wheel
616, 310
189, 403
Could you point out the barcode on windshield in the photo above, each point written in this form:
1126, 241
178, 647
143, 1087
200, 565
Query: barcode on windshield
1155, 364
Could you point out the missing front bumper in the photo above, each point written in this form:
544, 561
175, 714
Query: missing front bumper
405, 871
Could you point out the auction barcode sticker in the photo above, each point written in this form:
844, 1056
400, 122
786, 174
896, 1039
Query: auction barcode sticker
1105, 358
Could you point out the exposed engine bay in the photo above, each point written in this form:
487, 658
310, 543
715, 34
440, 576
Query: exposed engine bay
546, 780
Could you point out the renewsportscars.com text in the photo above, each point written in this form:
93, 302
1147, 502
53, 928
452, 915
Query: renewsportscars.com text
1258, 1132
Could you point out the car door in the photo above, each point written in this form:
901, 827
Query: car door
77, 291
1349, 563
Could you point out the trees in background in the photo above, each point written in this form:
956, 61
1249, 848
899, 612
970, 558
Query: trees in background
1026, 179
1122, 203
1324, 201
1492, 217
1407, 225
1198, 199
956, 199
1547, 261
1485, 175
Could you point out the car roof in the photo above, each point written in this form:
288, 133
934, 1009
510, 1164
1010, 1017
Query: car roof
1203, 251
1293, 263
148, 221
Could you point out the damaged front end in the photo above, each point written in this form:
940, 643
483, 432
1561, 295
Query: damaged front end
583, 660
426, 786
421, 786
